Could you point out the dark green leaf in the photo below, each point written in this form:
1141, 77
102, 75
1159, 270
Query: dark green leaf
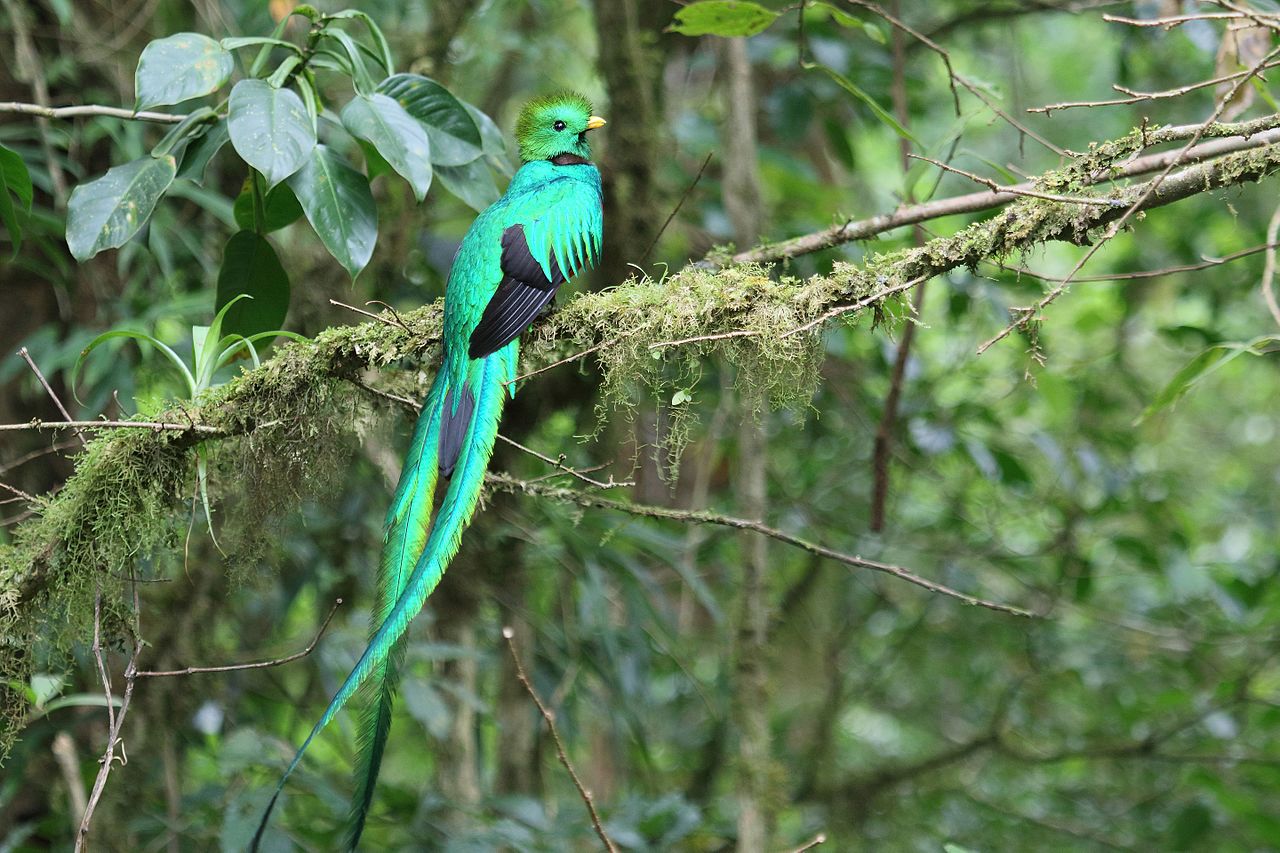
250, 266
473, 183
105, 213
270, 129
183, 66
15, 182
722, 18
280, 208
198, 152
396, 135
339, 206
455, 139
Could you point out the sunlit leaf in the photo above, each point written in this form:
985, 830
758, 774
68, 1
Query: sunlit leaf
105, 213
180, 67
722, 18
270, 129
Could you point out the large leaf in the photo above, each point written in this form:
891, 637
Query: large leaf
105, 213
339, 206
15, 185
279, 208
250, 266
472, 182
722, 18
270, 129
183, 66
380, 120
455, 139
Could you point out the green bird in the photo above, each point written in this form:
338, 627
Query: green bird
544, 230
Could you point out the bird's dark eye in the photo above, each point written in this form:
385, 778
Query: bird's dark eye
559, 125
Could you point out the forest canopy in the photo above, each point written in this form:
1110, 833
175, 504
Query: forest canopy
903, 476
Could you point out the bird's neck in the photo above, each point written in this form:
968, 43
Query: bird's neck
570, 159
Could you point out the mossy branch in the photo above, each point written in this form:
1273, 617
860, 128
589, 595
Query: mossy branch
120, 503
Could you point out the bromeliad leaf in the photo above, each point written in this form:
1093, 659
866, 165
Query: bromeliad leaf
380, 120
105, 213
250, 267
339, 206
455, 139
15, 185
722, 18
183, 66
270, 129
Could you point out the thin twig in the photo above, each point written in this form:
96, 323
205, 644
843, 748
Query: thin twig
87, 110
997, 188
396, 322
861, 303
234, 667
560, 463
57, 447
1241, 137
1172, 20
1158, 273
588, 499
679, 204
1136, 97
25, 355
155, 426
1024, 315
116, 719
973, 88
21, 494
1269, 267
820, 838
567, 359
509, 634
719, 336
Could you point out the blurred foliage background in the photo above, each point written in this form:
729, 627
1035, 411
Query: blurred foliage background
714, 691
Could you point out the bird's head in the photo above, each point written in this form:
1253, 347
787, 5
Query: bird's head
554, 127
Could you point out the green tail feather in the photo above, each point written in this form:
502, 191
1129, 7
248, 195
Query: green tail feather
407, 526
489, 379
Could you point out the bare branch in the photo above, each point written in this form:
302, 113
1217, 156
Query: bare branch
81, 111
997, 188
585, 499
509, 635
1023, 315
234, 667
115, 718
154, 426
26, 356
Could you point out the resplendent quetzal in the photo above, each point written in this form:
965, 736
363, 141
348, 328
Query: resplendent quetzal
544, 230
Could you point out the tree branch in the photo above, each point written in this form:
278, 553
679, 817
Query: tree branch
585, 499
81, 111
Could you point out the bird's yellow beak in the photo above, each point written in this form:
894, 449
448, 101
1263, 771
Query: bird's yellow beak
595, 122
